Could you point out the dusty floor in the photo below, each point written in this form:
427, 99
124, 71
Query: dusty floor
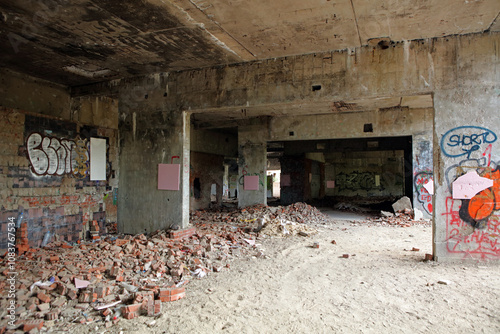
383, 287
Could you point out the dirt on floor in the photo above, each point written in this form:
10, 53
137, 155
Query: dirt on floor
371, 279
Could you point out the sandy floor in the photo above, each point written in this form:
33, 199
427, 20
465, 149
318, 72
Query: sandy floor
383, 287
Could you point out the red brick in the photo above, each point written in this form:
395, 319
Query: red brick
52, 315
62, 289
157, 307
131, 311
87, 297
43, 297
133, 308
172, 294
30, 324
72, 294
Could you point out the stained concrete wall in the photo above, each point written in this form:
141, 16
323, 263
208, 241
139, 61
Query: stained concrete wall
44, 161
214, 142
397, 122
460, 71
18, 91
150, 135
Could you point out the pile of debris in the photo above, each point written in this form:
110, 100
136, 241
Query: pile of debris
404, 215
103, 281
288, 220
111, 278
403, 218
301, 213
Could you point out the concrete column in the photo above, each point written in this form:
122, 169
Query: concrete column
185, 168
466, 138
148, 139
252, 161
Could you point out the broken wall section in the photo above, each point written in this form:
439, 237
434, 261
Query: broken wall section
45, 173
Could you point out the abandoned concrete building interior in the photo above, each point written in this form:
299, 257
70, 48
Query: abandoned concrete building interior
149, 143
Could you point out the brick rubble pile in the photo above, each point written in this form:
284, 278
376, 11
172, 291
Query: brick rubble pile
111, 278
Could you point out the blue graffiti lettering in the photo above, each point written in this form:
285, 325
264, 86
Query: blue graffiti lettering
464, 140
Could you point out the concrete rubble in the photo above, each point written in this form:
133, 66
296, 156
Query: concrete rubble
405, 218
105, 280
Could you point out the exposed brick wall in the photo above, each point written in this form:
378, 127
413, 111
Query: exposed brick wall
52, 189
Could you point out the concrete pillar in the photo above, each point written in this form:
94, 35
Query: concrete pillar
252, 161
225, 182
147, 142
466, 138
185, 168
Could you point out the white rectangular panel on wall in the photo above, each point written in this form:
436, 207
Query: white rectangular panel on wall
97, 159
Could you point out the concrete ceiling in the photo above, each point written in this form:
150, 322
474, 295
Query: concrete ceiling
84, 41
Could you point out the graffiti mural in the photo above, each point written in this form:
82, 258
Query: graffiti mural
477, 210
465, 140
357, 181
54, 156
472, 225
423, 196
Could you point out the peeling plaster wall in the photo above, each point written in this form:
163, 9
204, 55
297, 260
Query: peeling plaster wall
49, 186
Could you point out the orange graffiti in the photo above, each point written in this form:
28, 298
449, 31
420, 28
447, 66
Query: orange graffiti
482, 205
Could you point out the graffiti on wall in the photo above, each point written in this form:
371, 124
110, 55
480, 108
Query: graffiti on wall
423, 196
472, 225
463, 238
357, 181
465, 140
54, 156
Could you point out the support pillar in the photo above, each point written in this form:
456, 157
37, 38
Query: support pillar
252, 161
